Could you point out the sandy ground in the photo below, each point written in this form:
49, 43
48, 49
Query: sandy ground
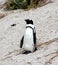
46, 22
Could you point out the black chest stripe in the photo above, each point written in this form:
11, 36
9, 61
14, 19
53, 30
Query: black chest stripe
29, 27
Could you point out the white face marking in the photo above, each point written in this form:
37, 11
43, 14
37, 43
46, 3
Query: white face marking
28, 43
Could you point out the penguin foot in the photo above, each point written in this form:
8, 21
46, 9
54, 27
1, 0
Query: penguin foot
35, 49
27, 52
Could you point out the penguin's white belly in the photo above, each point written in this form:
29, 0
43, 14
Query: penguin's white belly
28, 43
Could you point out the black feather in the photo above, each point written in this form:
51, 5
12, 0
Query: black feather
21, 43
29, 21
34, 39
34, 36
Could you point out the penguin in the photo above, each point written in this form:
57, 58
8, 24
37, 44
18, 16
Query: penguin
28, 41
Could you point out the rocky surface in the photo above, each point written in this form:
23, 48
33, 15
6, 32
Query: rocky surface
46, 22
2, 2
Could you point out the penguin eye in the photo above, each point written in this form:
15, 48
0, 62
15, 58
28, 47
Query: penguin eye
13, 25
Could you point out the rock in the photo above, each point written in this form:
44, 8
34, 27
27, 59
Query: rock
46, 22
2, 15
2, 2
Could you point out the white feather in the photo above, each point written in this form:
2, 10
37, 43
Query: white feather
28, 43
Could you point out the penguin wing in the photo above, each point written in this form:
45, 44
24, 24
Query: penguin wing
21, 42
34, 35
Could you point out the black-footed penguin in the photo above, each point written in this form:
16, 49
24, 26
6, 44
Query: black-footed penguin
28, 41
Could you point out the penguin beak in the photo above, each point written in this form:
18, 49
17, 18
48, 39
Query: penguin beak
26, 20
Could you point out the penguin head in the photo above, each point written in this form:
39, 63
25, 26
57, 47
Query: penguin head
29, 21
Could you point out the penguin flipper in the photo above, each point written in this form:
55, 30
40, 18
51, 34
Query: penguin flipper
21, 43
34, 38
34, 35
